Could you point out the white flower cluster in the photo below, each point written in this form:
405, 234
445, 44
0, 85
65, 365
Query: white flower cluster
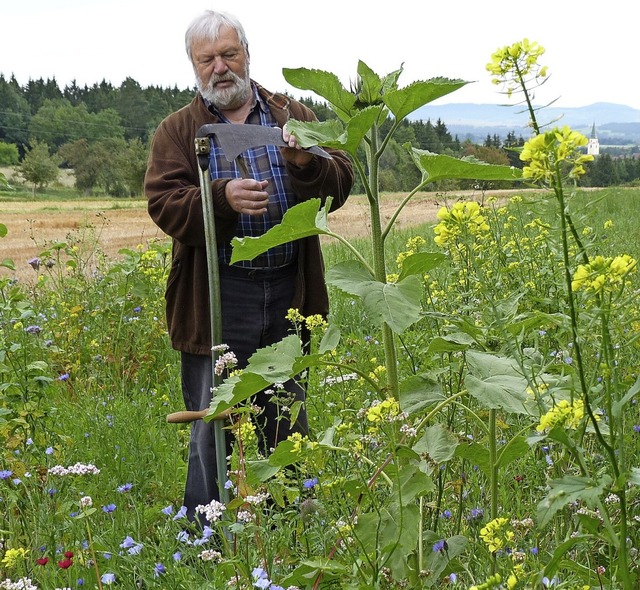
245, 517
212, 511
86, 502
21, 584
226, 361
77, 469
211, 555
257, 499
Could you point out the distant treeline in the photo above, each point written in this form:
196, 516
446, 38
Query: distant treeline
97, 130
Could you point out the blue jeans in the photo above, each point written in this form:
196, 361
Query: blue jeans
254, 309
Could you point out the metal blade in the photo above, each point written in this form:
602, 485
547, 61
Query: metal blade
235, 139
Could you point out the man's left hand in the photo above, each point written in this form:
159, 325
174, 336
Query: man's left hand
294, 154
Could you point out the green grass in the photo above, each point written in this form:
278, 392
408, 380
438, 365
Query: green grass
88, 376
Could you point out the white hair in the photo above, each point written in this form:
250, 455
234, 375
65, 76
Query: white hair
207, 26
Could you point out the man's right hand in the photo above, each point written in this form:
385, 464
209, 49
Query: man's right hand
247, 196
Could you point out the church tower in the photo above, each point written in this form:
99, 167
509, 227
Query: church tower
593, 147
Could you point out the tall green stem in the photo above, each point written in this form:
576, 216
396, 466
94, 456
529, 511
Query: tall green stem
379, 262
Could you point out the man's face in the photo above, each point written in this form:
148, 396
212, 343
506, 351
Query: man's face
222, 70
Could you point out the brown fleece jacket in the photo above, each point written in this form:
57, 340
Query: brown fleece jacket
172, 187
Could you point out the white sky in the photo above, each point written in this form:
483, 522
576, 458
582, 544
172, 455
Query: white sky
589, 51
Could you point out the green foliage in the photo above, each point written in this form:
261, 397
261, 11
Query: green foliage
8, 154
38, 166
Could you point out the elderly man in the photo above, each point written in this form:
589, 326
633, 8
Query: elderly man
256, 295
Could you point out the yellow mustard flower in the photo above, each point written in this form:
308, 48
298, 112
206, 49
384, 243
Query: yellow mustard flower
603, 273
388, 408
565, 414
558, 147
496, 534
14, 556
462, 219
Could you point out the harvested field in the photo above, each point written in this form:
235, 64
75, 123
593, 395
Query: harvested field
115, 224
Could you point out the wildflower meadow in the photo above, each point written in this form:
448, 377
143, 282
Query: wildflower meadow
472, 395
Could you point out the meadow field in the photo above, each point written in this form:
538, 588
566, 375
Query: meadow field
487, 470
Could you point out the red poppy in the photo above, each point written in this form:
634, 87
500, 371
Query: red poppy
65, 563
42, 560
68, 554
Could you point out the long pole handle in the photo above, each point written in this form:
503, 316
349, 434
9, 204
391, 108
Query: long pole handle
203, 149
193, 415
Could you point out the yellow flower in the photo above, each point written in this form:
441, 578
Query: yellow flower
294, 316
495, 534
558, 147
562, 414
603, 273
13, 556
387, 408
462, 219
315, 321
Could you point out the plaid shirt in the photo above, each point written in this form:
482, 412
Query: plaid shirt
263, 163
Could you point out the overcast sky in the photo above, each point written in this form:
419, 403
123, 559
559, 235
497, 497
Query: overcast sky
590, 52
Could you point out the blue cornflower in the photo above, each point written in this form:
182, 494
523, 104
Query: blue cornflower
33, 329
446, 514
64, 377
439, 546
109, 508
135, 550
309, 483
127, 543
124, 488
636, 428
168, 510
49, 451
108, 578
6, 474
182, 513
80, 582
51, 491
137, 309
476, 514
228, 484
177, 556
159, 570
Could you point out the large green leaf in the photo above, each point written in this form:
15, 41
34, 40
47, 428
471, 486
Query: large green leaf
567, 489
435, 562
450, 343
403, 101
334, 135
273, 364
503, 392
411, 483
419, 392
477, 455
420, 263
438, 443
497, 382
396, 304
300, 221
439, 167
324, 84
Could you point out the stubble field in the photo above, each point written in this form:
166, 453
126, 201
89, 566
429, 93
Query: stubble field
112, 225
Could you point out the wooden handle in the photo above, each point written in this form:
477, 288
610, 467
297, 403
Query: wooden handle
193, 415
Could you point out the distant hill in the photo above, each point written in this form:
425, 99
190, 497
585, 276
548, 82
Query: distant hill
615, 124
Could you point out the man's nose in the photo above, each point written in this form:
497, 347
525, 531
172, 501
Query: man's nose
219, 65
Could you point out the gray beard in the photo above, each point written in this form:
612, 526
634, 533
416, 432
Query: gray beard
226, 98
